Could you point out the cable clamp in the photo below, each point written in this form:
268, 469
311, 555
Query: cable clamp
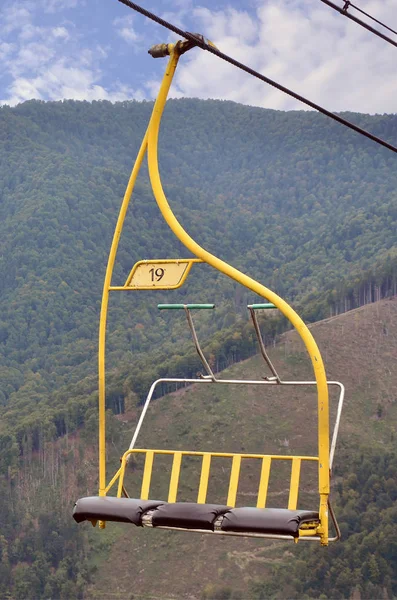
162, 50
159, 50
199, 40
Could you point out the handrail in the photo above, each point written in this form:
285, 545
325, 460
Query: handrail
257, 382
234, 476
265, 356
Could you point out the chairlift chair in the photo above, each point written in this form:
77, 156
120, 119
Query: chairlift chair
260, 520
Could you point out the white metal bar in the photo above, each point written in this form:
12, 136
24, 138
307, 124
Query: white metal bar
243, 382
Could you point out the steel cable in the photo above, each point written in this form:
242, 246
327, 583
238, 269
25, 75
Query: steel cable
200, 42
343, 11
369, 16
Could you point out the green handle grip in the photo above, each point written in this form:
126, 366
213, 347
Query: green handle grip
182, 306
267, 306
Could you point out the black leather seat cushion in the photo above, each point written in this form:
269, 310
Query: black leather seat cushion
188, 515
278, 521
122, 510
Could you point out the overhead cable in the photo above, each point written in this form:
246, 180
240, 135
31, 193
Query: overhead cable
347, 4
200, 41
344, 11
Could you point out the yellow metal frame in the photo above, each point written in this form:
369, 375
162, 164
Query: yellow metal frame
236, 458
162, 261
150, 144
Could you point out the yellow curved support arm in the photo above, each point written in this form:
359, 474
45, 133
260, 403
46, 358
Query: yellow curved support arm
150, 143
104, 310
261, 290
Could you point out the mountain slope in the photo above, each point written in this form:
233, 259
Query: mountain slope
360, 349
287, 197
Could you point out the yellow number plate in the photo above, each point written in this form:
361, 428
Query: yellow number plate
159, 274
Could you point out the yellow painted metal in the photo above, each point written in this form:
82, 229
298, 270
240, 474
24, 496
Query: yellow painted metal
218, 454
121, 478
105, 304
150, 143
245, 280
112, 481
147, 475
294, 485
233, 483
205, 473
176, 468
167, 274
264, 482
308, 532
204, 478
323, 511
103, 315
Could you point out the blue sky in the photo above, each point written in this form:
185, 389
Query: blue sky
97, 49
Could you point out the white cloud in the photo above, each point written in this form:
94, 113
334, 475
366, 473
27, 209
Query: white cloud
14, 17
184, 4
31, 57
62, 81
301, 44
52, 6
129, 35
101, 51
60, 33
307, 47
29, 32
50, 62
125, 29
5, 50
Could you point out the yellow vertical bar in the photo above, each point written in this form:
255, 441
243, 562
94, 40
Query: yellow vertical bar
147, 475
121, 478
294, 486
264, 482
176, 467
323, 529
167, 79
103, 315
234, 477
205, 474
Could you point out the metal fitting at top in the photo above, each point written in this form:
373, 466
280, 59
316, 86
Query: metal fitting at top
162, 50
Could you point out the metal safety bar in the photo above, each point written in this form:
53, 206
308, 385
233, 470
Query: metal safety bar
244, 382
275, 379
252, 308
187, 308
207, 457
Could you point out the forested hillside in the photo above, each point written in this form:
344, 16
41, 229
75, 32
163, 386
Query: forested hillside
44, 554
299, 203
304, 206
359, 348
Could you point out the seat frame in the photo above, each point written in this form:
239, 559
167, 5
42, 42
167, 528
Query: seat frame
325, 453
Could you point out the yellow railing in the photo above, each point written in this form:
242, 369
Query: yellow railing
236, 464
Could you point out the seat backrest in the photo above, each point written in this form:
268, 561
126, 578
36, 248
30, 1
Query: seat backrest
206, 458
